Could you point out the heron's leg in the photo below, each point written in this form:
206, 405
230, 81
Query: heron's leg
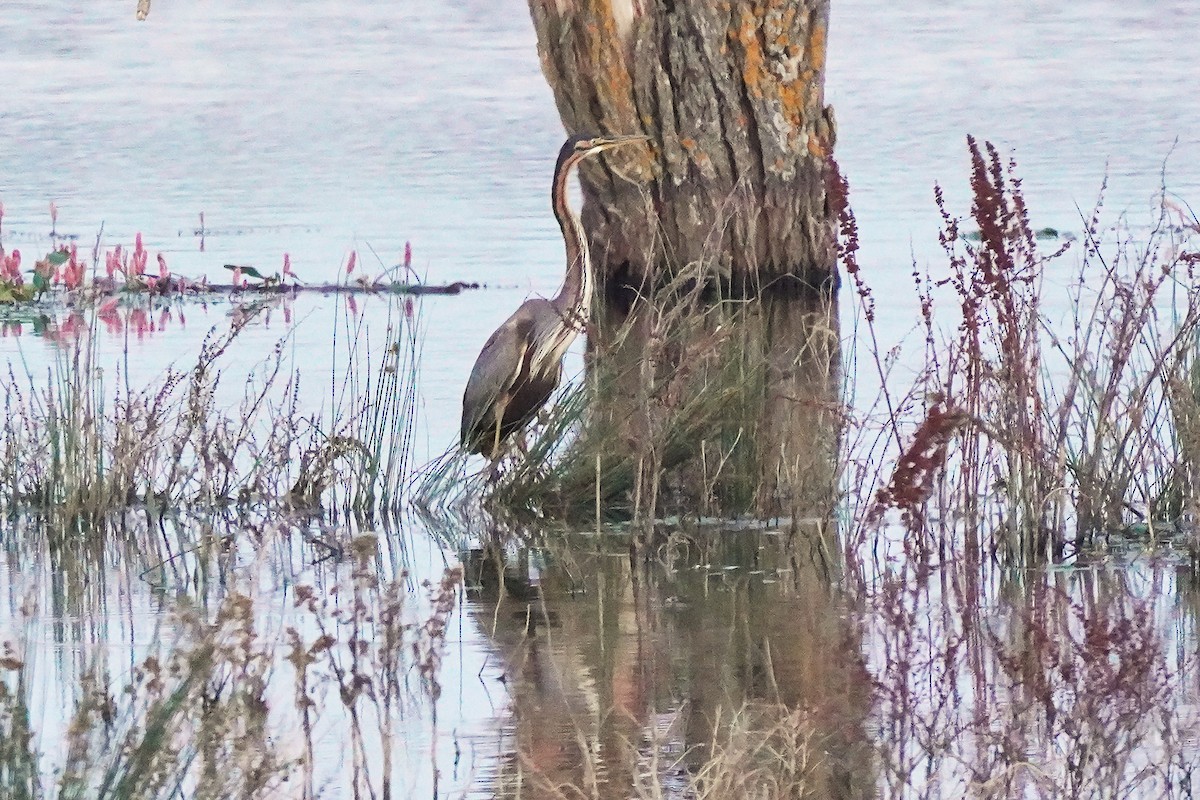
494, 471
494, 455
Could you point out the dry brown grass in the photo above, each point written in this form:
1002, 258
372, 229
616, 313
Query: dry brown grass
77, 443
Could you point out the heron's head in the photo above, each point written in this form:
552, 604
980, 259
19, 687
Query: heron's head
581, 146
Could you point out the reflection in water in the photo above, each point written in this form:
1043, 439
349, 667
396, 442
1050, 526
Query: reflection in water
623, 678
241, 656
686, 676
142, 318
1056, 683
726, 664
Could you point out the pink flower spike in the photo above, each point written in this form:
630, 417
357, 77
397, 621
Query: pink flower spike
287, 264
108, 306
352, 304
12, 268
350, 263
53, 213
407, 255
237, 278
163, 272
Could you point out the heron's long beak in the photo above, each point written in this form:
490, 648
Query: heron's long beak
610, 142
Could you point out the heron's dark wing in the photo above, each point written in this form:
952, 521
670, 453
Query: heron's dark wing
495, 370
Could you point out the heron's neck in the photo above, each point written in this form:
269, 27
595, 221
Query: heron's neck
575, 297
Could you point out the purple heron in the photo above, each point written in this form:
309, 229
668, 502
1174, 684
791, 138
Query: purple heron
521, 363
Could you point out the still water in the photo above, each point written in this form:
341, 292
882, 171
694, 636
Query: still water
317, 129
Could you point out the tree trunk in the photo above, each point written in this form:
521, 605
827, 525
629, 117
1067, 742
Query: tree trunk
731, 93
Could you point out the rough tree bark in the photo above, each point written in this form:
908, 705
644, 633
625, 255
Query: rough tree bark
732, 94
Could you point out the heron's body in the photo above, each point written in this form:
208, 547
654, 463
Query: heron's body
508, 380
521, 363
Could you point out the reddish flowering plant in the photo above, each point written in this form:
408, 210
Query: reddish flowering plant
131, 266
71, 273
113, 263
12, 282
140, 257
10, 268
161, 282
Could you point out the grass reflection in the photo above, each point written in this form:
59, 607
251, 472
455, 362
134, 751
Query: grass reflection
226, 673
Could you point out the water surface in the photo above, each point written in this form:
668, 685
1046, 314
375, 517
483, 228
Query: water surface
318, 128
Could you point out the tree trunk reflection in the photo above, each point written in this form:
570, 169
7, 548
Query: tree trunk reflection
624, 679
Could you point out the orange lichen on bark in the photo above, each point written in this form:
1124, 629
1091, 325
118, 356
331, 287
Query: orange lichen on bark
600, 46
746, 34
786, 22
774, 65
816, 147
816, 48
792, 101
